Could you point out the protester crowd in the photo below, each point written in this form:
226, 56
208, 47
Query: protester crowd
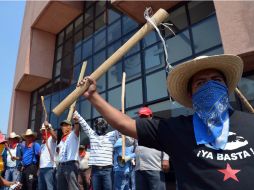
110, 162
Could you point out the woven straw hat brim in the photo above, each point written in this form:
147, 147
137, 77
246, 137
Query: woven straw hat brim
29, 134
177, 82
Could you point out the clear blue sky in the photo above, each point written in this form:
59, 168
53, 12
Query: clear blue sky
11, 17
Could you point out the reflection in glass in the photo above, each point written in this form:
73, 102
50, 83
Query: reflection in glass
59, 52
32, 125
134, 49
132, 66
128, 24
76, 72
100, 40
100, 22
78, 24
134, 94
114, 31
115, 75
85, 109
206, 34
99, 58
57, 68
151, 38
154, 57
88, 30
60, 38
33, 112
156, 85
89, 14
68, 31
68, 46
179, 47
114, 97
199, 10
99, 7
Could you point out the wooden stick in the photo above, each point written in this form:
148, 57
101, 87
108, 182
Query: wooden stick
81, 76
123, 111
158, 17
44, 108
244, 100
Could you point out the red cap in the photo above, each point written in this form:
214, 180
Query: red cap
146, 111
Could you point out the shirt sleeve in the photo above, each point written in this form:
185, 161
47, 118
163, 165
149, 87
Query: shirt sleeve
147, 131
84, 125
37, 148
165, 156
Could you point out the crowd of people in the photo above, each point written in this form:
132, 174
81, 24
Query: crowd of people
100, 165
211, 149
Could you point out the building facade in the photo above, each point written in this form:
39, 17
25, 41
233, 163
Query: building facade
58, 36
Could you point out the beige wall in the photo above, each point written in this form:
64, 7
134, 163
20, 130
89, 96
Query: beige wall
42, 21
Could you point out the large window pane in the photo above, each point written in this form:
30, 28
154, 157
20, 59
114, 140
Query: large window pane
115, 75
154, 57
99, 7
88, 30
112, 16
134, 95
87, 48
114, 97
58, 68
69, 31
134, 49
78, 24
156, 86
89, 14
76, 72
199, 10
132, 66
128, 24
179, 47
99, 40
100, 22
151, 38
99, 58
59, 52
77, 55
206, 34
114, 31
60, 38
85, 109
78, 39
68, 47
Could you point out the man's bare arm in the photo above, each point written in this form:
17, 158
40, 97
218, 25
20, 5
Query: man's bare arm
114, 117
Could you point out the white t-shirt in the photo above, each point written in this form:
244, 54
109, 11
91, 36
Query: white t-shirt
69, 148
83, 162
46, 160
11, 163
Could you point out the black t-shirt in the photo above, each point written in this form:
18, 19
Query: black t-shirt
200, 167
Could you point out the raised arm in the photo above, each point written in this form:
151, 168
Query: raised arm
50, 130
114, 117
84, 125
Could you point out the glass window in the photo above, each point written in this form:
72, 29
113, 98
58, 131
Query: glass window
35, 97
132, 66
179, 47
216, 51
133, 113
114, 97
78, 39
134, 94
87, 48
150, 39
134, 49
128, 24
77, 55
33, 112
199, 10
155, 91
76, 72
115, 75
100, 22
246, 86
78, 24
59, 52
89, 14
154, 57
95, 112
100, 40
99, 7
114, 31
99, 58
58, 68
66, 67
69, 31
85, 109
60, 38
88, 30
68, 47
89, 66
206, 34
32, 123
112, 16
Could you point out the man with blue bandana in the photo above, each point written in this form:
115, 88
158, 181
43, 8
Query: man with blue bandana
211, 149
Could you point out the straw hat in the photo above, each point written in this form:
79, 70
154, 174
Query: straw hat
230, 65
44, 128
13, 135
29, 132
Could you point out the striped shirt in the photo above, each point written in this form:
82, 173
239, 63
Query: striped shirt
101, 147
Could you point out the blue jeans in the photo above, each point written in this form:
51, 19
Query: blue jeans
46, 179
11, 174
121, 180
150, 180
101, 178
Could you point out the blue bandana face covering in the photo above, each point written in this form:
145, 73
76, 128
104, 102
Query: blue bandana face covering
211, 117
